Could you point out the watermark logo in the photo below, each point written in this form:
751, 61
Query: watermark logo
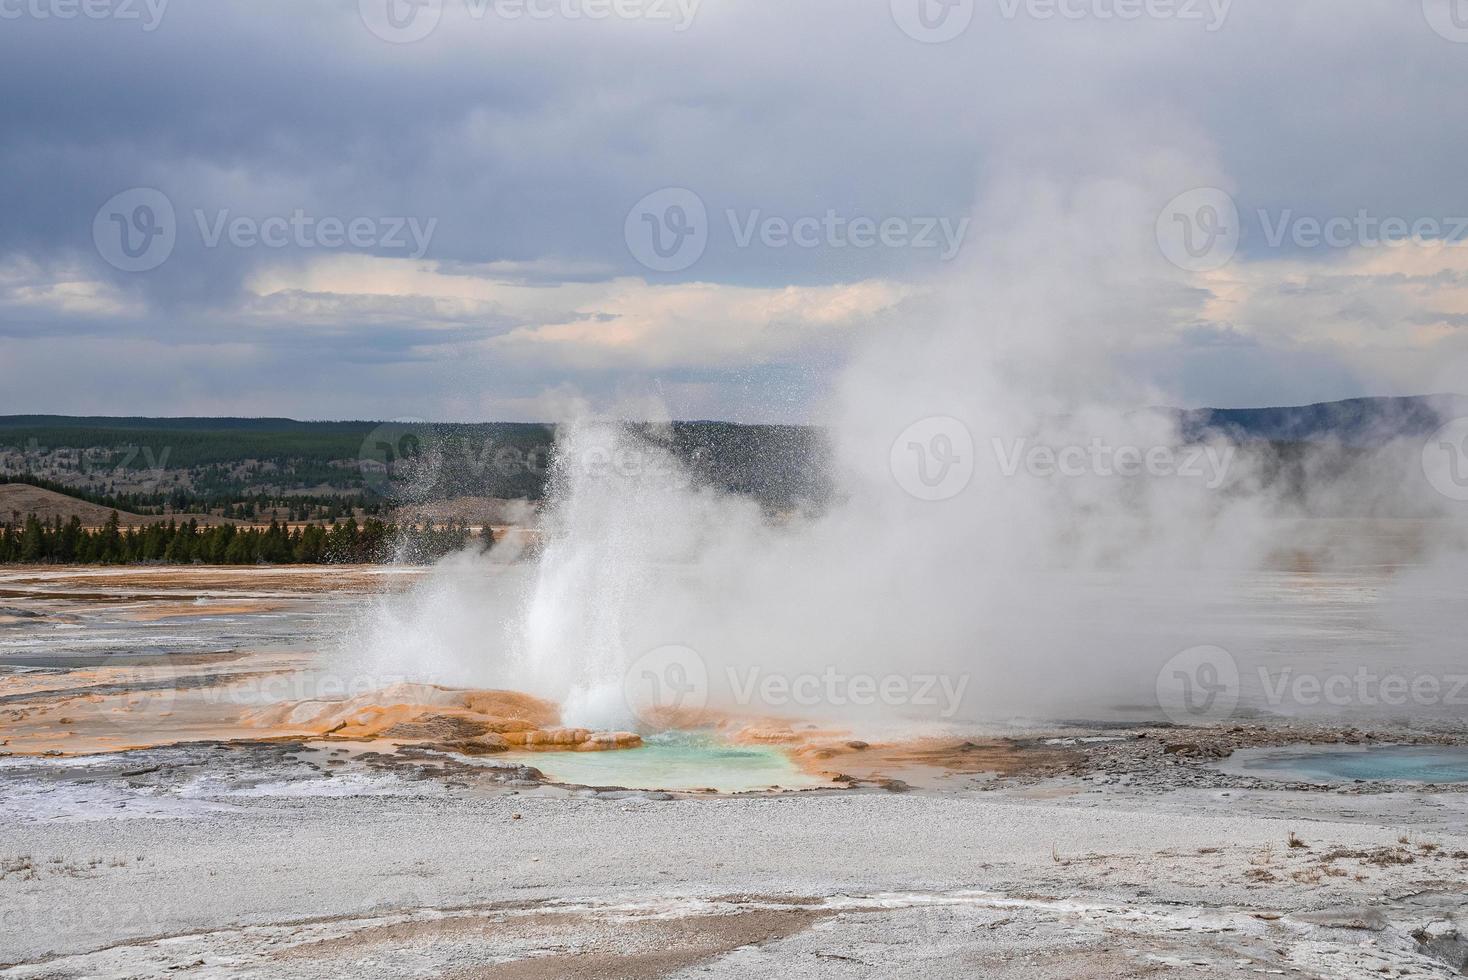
1449, 18
410, 235
148, 13
401, 460
932, 21
138, 697
668, 230
1199, 230
933, 459
405, 459
129, 466
136, 230
407, 21
401, 21
675, 678
835, 231
34, 911
649, 467
1207, 463
1199, 686
668, 679
834, 688
1445, 459
329, 684
1210, 13
1364, 688
411, 908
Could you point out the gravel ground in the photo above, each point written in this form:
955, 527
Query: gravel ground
419, 880
1126, 852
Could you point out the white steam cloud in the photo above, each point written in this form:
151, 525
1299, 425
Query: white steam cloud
1075, 546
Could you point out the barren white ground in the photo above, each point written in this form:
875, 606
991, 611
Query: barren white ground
1092, 884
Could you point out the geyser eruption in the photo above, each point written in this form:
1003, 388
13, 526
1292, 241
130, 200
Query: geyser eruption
1052, 577
623, 516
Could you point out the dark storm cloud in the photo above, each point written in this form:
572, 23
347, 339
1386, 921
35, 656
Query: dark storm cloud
528, 140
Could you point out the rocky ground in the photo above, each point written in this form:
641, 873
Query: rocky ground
1167, 758
303, 860
193, 811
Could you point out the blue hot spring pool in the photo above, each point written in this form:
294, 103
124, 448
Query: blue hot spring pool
677, 762
1335, 763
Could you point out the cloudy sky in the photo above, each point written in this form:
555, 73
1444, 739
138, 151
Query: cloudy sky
486, 209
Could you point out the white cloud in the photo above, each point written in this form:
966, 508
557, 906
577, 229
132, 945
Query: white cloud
61, 288
615, 324
1398, 315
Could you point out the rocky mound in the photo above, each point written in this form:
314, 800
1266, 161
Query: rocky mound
471, 722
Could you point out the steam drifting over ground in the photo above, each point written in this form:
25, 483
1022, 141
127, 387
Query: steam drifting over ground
1010, 534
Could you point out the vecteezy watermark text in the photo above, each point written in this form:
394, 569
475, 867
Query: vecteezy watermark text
1203, 684
1364, 687
676, 678
1201, 230
832, 230
1210, 13
318, 685
753, 686
669, 230
138, 229
140, 466
405, 458
1098, 458
937, 21
302, 230
147, 13
934, 459
406, 21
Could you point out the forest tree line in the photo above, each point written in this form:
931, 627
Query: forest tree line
34, 541
297, 506
188, 465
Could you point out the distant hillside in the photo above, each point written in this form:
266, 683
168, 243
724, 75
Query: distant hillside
1355, 422
257, 469
320, 470
25, 500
